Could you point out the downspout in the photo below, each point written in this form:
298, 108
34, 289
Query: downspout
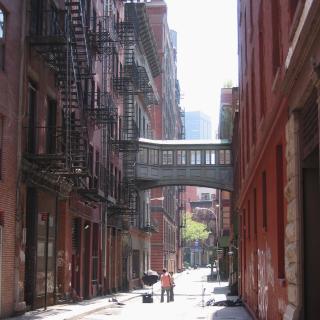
20, 304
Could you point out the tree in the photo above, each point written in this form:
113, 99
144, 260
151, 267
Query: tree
195, 230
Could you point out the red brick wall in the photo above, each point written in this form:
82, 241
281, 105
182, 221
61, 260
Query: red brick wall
157, 243
263, 115
9, 103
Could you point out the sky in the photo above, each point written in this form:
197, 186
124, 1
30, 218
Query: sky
207, 51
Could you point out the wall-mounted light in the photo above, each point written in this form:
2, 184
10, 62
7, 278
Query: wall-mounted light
86, 226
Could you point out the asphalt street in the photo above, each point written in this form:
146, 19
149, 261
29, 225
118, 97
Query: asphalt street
192, 291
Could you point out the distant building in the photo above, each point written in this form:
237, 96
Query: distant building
198, 125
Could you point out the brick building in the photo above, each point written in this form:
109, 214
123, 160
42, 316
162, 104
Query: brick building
11, 61
277, 174
71, 89
166, 119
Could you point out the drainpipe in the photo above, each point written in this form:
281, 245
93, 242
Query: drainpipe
20, 305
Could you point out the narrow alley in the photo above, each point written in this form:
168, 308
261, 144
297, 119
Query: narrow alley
191, 296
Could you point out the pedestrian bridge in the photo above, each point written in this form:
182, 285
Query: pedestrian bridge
204, 163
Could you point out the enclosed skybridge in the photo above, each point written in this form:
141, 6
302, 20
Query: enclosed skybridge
205, 163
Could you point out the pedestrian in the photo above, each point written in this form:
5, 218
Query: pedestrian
171, 287
165, 280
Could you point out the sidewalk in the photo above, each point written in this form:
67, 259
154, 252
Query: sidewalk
73, 311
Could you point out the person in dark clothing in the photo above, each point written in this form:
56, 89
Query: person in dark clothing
171, 287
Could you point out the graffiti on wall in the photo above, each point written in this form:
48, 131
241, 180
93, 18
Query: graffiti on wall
265, 280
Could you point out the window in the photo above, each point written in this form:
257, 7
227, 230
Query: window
261, 62
153, 156
224, 156
264, 201
210, 157
32, 114
90, 160
167, 157
276, 32
95, 253
97, 165
2, 24
293, 4
135, 264
2, 38
280, 212
249, 220
51, 123
255, 213
143, 155
227, 156
195, 157
181, 157
1, 142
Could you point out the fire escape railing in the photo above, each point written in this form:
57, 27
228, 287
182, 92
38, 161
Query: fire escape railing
126, 82
59, 36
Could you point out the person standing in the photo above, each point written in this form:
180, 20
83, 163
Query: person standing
166, 282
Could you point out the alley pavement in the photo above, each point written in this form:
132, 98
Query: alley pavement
127, 305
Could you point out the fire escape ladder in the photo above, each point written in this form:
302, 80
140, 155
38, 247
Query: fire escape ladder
59, 36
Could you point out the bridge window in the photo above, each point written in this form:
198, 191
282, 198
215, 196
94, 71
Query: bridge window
195, 157
167, 157
153, 156
181, 157
224, 157
143, 155
210, 157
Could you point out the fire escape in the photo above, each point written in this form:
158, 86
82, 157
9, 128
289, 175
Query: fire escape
129, 81
66, 39
124, 82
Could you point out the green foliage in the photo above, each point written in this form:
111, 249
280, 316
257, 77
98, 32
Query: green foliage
195, 230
